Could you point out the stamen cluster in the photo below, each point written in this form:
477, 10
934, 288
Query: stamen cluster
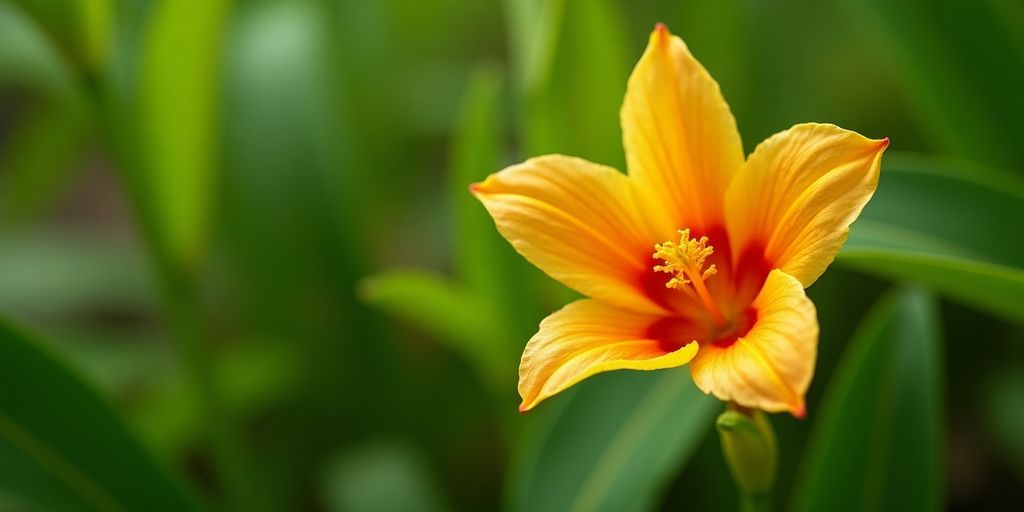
684, 260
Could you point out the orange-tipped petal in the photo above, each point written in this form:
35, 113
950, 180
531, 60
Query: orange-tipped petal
681, 141
587, 337
578, 222
771, 366
798, 193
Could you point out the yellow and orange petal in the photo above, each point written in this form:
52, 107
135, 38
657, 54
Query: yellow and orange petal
798, 193
587, 337
770, 367
681, 141
578, 222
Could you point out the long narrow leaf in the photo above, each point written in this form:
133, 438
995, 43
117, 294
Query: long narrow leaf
932, 222
877, 442
614, 446
61, 445
448, 312
179, 88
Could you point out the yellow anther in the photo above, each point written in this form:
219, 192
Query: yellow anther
685, 261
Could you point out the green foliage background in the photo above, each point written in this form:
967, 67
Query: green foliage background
239, 268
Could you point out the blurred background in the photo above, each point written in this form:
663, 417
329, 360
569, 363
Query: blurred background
240, 270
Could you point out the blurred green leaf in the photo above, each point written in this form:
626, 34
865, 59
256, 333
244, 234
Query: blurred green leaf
486, 263
28, 58
294, 203
179, 89
82, 28
575, 110
615, 444
475, 153
62, 447
943, 224
571, 106
381, 477
533, 27
96, 19
40, 156
947, 54
448, 312
877, 443
464, 315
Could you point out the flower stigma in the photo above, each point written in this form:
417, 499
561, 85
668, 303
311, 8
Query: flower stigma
685, 262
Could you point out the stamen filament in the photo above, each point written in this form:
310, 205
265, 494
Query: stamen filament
705, 297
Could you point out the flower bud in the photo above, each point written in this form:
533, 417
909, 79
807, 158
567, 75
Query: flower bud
748, 443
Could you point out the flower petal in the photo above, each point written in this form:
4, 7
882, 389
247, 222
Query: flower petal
771, 366
681, 141
587, 337
576, 221
798, 193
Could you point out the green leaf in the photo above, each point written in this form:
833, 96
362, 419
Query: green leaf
463, 316
80, 28
576, 110
613, 445
877, 443
40, 158
62, 447
450, 313
958, 62
484, 261
533, 34
179, 89
28, 58
95, 19
941, 223
476, 151
571, 106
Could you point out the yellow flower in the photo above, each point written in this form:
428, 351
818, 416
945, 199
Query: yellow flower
697, 256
